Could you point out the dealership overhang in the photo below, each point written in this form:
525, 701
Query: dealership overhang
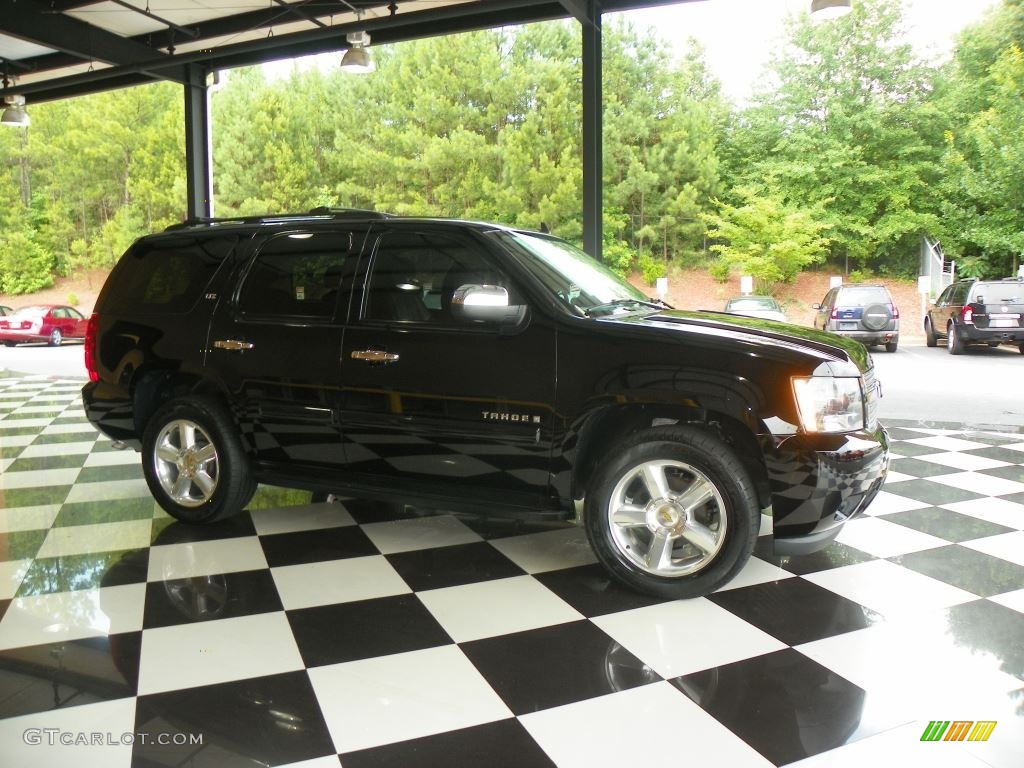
58, 49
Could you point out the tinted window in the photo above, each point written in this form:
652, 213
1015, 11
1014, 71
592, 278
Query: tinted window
296, 274
752, 303
414, 275
960, 293
998, 292
862, 296
167, 275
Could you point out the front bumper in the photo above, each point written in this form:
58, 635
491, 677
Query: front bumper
818, 482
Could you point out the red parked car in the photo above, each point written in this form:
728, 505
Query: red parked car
51, 323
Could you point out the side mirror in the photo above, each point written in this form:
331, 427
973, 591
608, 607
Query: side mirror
473, 303
816, 305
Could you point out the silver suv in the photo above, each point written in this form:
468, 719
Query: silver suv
863, 312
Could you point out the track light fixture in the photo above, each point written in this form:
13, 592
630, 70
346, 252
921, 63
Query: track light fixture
829, 9
357, 59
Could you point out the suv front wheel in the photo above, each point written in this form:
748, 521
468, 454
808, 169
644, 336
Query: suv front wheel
193, 462
673, 513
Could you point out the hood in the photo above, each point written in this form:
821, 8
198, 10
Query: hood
822, 343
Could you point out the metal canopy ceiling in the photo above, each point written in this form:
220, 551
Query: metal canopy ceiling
54, 49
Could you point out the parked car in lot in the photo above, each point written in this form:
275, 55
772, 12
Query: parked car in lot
469, 366
755, 306
863, 312
52, 323
977, 312
5, 310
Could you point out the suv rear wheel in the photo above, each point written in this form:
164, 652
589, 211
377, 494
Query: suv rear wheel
673, 513
954, 343
194, 463
929, 333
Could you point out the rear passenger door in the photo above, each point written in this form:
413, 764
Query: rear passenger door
435, 402
275, 341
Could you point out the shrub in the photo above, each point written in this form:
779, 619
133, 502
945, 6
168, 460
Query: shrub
720, 271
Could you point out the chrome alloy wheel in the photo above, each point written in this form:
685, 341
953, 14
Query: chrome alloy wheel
185, 460
667, 518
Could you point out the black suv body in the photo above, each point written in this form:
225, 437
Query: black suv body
473, 367
977, 312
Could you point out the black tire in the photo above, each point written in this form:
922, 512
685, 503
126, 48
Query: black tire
929, 333
219, 479
56, 337
891, 346
10, 343
726, 518
954, 343
993, 344
1020, 347
876, 317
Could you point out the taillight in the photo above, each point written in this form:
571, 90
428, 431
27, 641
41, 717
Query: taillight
90, 347
835, 313
967, 314
895, 311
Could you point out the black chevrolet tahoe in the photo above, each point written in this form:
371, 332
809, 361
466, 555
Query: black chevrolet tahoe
475, 367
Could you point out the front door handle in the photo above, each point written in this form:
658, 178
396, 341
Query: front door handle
233, 345
374, 356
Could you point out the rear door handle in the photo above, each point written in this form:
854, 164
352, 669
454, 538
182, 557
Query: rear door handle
233, 345
374, 356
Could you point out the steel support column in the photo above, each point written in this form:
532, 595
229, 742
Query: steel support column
593, 107
198, 177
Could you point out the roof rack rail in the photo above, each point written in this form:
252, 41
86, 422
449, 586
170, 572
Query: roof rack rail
320, 212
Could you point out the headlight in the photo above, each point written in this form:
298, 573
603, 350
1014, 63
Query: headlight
828, 404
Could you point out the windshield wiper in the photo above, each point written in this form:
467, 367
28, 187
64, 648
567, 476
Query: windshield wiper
611, 306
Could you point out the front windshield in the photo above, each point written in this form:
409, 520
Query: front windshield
576, 280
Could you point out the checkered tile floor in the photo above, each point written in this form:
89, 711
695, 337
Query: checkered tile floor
378, 636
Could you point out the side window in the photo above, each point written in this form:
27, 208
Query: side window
960, 294
414, 275
165, 275
296, 274
944, 296
60, 313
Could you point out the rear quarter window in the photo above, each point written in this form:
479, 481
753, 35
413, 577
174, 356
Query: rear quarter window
858, 296
164, 276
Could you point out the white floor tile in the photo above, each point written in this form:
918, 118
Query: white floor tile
547, 551
965, 461
885, 503
57, 449
620, 730
881, 538
337, 581
945, 443
1008, 546
672, 638
208, 652
113, 458
889, 589
892, 476
756, 571
203, 558
1014, 600
28, 518
72, 615
108, 491
403, 696
486, 609
114, 721
99, 537
999, 511
988, 485
419, 533
308, 517
70, 429
38, 478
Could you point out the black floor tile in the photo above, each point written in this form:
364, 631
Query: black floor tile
591, 591
21, 545
63, 437
113, 511
315, 546
976, 572
502, 744
990, 628
782, 704
366, 511
997, 453
918, 468
557, 665
331, 634
901, 432
932, 493
451, 566
270, 720
794, 610
34, 497
946, 524
205, 598
36, 463
109, 474
835, 555
502, 527
1014, 472
41, 678
910, 450
69, 573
